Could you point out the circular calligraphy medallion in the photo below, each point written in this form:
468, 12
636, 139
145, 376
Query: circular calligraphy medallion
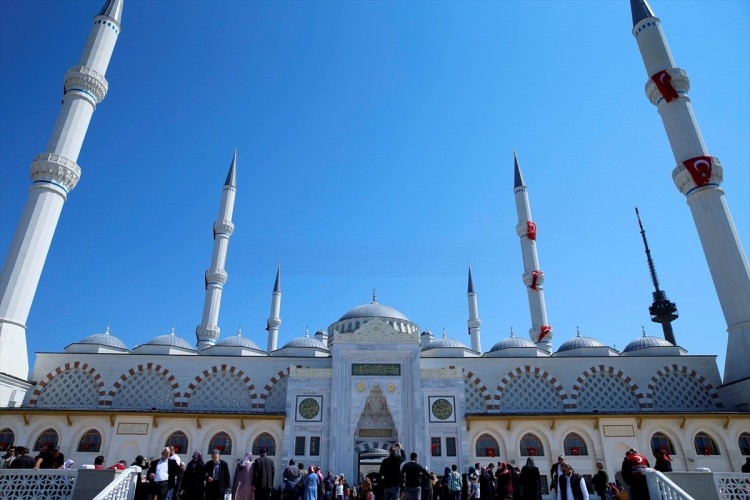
391, 387
309, 408
442, 409
360, 387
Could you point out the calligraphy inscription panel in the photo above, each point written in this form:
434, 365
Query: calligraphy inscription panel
132, 428
379, 370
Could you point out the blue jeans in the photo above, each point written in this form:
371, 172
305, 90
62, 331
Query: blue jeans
412, 493
391, 493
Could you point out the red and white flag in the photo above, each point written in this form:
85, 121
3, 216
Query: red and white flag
699, 169
531, 230
663, 81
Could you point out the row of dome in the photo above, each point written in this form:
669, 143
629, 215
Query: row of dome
351, 321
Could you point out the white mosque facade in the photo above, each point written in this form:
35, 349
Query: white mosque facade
340, 397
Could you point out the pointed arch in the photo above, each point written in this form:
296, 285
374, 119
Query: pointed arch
606, 388
530, 388
7, 438
48, 437
144, 387
486, 446
90, 442
574, 445
221, 384
476, 396
273, 399
264, 440
678, 388
72, 385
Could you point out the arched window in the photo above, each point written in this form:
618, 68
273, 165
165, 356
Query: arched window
575, 445
705, 445
46, 439
744, 443
264, 440
222, 442
531, 446
90, 442
661, 441
7, 438
487, 446
179, 440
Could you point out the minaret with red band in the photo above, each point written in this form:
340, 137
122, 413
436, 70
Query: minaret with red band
698, 176
533, 277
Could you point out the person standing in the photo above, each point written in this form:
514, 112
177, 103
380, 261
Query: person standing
194, 478
311, 482
633, 473
50, 459
486, 482
473, 487
9, 456
242, 487
328, 486
290, 478
264, 471
22, 460
504, 481
555, 473
217, 477
663, 460
162, 474
530, 481
454, 483
746, 466
413, 473
572, 486
390, 471
600, 479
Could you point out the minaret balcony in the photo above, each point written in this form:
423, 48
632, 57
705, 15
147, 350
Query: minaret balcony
216, 276
223, 227
685, 181
679, 81
55, 169
88, 81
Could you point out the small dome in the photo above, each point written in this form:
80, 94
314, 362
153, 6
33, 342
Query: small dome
104, 339
444, 342
171, 340
374, 310
238, 341
645, 342
512, 342
306, 341
579, 342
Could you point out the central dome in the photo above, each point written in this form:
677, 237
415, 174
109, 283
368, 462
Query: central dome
374, 310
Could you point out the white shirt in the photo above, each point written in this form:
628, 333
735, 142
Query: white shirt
569, 488
176, 458
162, 470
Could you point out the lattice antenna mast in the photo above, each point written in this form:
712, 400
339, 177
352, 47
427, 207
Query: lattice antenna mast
662, 310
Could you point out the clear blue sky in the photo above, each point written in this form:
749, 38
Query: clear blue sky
375, 151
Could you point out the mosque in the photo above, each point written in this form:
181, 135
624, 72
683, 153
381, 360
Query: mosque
341, 396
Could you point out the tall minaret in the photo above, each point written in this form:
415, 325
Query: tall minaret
662, 310
274, 318
54, 174
533, 277
698, 176
474, 321
208, 331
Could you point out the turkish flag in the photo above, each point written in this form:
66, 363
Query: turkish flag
663, 81
545, 330
531, 230
490, 452
699, 169
574, 451
706, 450
532, 452
177, 448
534, 277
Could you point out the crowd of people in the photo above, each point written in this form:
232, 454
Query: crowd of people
169, 478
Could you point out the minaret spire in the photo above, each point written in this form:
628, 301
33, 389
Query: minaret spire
662, 310
208, 331
640, 9
474, 322
698, 175
533, 277
54, 174
274, 318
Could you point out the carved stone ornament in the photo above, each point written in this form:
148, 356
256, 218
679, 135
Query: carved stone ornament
55, 169
684, 181
440, 373
216, 276
224, 226
88, 81
377, 330
309, 408
680, 82
360, 387
310, 372
208, 332
441, 409
391, 387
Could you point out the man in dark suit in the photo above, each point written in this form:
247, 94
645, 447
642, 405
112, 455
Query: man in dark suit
217, 477
162, 474
263, 474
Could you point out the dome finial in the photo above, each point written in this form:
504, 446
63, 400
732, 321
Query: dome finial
512, 333
374, 296
171, 332
106, 330
578, 332
643, 329
307, 331
445, 336
239, 331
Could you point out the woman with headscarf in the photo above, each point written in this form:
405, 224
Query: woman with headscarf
142, 486
504, 486
242, 487
311, 482
193, 480
530, 481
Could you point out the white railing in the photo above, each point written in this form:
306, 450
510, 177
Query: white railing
123, 487
660, 486
732, 486
24, 484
